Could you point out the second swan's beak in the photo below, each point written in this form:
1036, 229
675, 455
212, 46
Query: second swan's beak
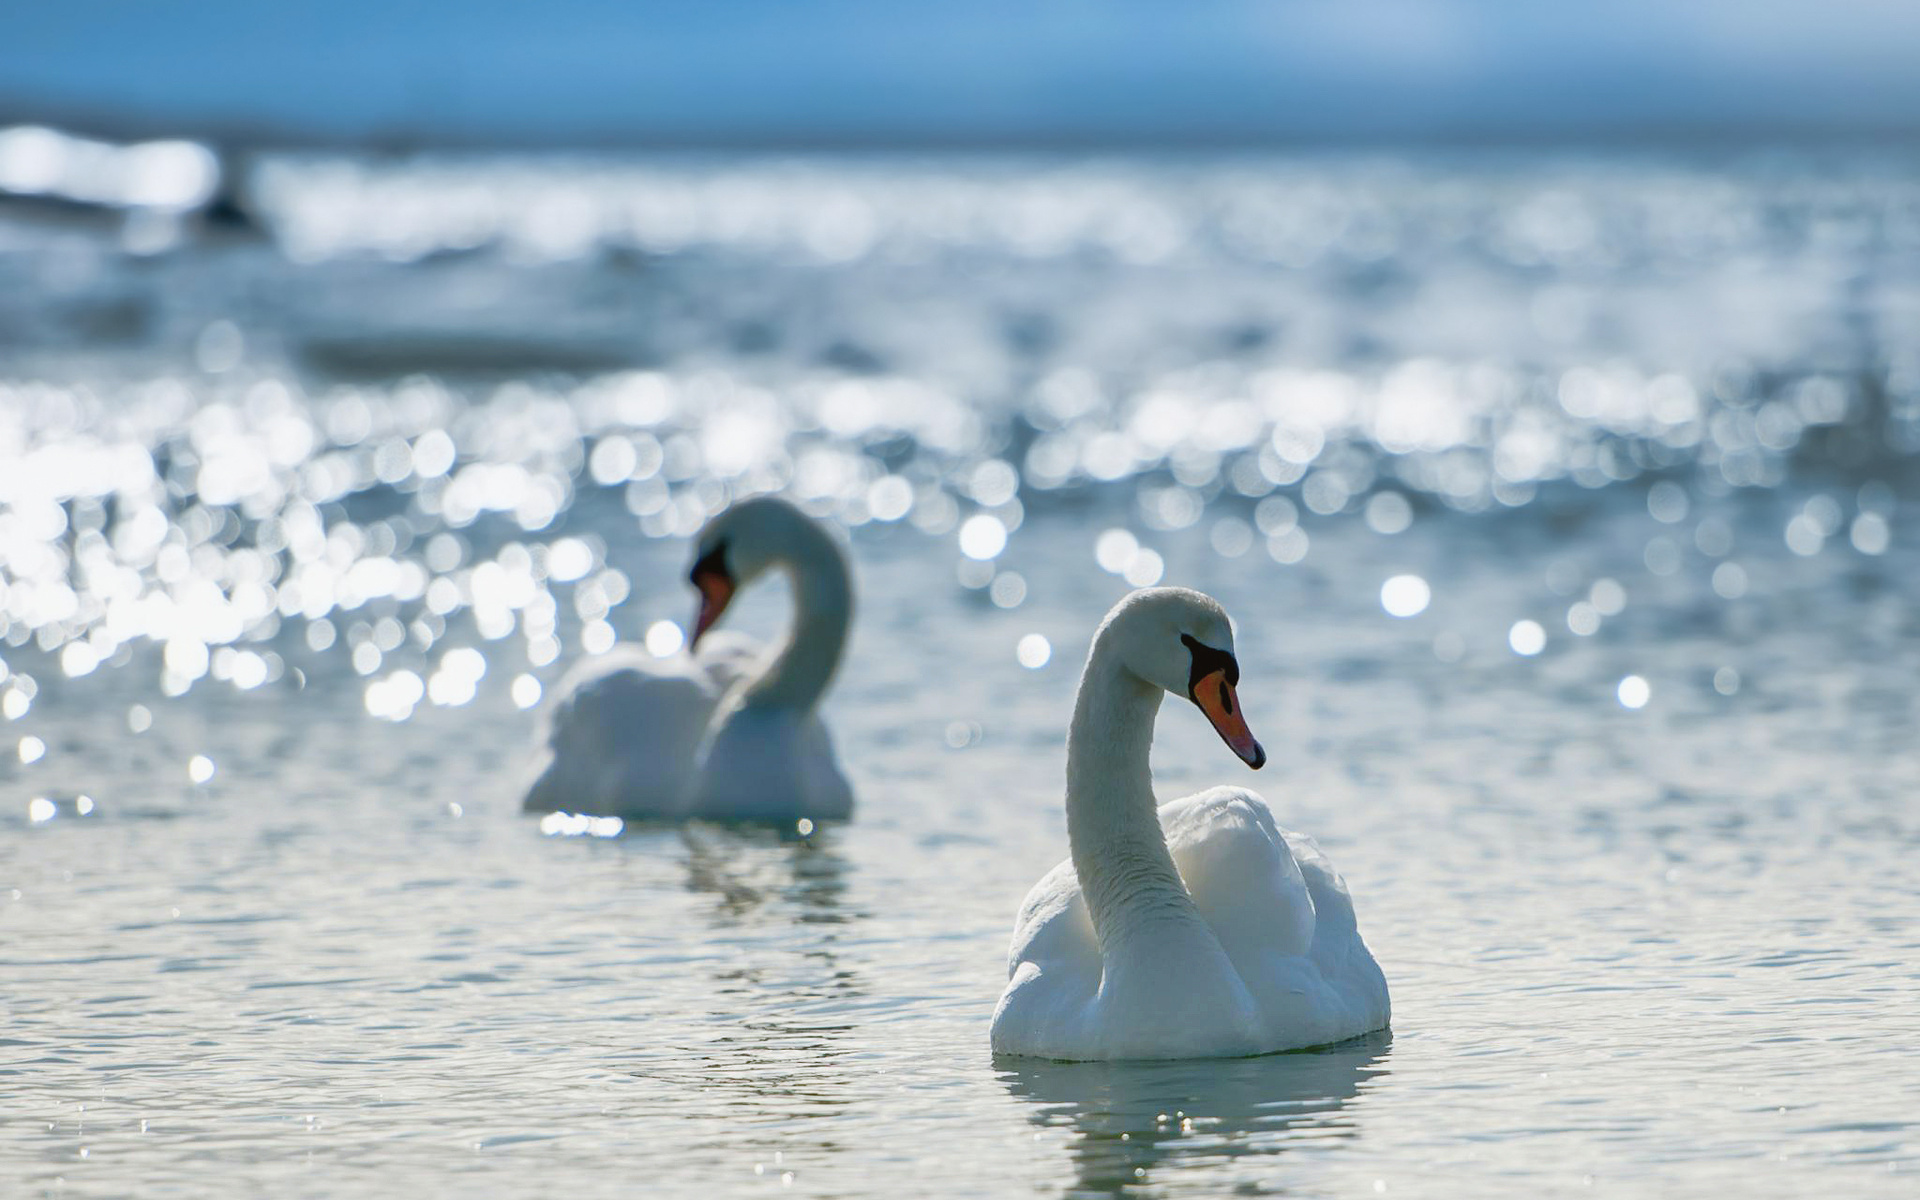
716, 592
1217, 699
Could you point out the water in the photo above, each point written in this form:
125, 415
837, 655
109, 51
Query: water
300, 940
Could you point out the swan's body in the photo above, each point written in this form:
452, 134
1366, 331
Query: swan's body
726, 730
1197, 929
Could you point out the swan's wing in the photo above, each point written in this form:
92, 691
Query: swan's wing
1239, 871
1339, 953
828, 791
762, 765
728, 657
1053, 930
1332, 904
1053, 970
1282, 914
620, 736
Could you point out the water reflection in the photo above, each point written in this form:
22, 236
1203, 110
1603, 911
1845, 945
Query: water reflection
783, 1002
1133, 1121
745, 865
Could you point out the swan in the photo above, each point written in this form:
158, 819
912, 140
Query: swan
1198, 930
726, 730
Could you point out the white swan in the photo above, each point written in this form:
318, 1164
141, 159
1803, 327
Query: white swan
1202, 929
726, 731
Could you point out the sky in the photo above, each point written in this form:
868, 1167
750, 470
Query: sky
889, 71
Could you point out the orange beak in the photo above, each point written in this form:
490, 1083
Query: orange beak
1216, 698
716, 592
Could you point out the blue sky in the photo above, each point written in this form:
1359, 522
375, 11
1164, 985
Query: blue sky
834, 70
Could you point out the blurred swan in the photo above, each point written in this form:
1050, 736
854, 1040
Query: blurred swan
726, 731
1197, 930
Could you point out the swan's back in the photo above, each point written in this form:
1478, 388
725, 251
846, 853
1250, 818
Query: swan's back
621, 736
1357, 988
1282, 914
1237, 867
769, 765
727, 658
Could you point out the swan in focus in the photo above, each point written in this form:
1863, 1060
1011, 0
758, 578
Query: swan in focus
1200, 929
725, 731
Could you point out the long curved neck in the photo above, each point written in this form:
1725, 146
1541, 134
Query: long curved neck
823, 607
1113, 824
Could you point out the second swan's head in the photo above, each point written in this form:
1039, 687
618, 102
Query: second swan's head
1181, 641
741, 544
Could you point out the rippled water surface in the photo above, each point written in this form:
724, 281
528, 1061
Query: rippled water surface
1565, 508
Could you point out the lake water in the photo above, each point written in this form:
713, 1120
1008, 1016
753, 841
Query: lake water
296, 528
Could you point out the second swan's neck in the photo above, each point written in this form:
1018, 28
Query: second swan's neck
823, 607
1113, 824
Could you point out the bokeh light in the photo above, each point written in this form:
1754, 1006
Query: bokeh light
1405, 595
983, 537
1527, 638
664, 638
1634, 692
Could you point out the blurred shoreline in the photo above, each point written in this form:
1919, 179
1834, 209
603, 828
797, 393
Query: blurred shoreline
1711, 138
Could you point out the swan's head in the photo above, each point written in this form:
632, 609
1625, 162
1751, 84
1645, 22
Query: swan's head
1181, 641
738, 546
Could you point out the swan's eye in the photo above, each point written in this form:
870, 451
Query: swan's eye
1206, 661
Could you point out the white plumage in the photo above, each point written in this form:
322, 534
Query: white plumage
727, 730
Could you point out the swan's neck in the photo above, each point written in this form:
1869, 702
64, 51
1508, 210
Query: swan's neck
823, 606
1113, 824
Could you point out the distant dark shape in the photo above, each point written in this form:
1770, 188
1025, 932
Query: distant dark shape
1249, 337
852, 358
110, 318
754, 337
624, 258
227, 213
1361, 347
375, 356
51, 208
230, 210
1378, 280
1031, 334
